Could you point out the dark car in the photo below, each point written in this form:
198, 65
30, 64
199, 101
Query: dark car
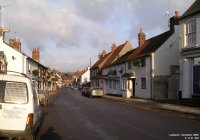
85, 90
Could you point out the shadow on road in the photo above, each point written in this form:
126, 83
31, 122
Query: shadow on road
51, 134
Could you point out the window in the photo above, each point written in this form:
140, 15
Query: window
110, 84
191, 32
129, 65
15, 92
197, 60
29, 68
114, 84
143, 83
142, 62
124, 84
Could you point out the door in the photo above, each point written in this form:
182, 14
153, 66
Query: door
133, 82
196, 80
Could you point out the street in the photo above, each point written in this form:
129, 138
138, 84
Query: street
72, 116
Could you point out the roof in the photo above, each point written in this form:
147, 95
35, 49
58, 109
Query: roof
115, 54
194, 9
100, 62
123, 58
150, 45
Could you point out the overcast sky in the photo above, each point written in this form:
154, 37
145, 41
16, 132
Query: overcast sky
71, 32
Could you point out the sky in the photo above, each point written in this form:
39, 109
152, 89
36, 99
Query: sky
71, 33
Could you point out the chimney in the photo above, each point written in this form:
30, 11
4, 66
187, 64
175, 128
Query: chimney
99, 56
174, 20
36, 54
141, 37
15, 43
103, 53
113, 48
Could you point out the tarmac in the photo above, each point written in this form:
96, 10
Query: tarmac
147, 103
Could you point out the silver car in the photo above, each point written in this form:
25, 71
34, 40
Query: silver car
95, 92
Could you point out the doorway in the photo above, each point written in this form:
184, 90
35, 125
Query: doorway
133, 85
196, 80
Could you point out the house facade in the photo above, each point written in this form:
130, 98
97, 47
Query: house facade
114, 69
190, 52
154, 65
148, 71
96, 70
16, 61
85, 78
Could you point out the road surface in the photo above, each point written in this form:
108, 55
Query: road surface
72, 116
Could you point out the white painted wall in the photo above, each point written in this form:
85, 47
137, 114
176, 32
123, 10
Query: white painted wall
85, 78
141, 72
16, 60
187, 78
118, 83
167, 54
186, 62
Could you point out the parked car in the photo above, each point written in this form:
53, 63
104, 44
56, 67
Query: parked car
85, 90
43, 97
94, 92
20, 111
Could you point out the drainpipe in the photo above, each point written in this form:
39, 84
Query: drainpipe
151, 76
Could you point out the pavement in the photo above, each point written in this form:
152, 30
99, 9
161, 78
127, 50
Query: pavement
147, 103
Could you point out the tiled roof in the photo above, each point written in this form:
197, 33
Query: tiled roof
123, 58
194, 8
150, 45
100, 62
114, 55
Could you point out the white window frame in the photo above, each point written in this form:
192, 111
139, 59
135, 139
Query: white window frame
143, 82
190, 33
129, 65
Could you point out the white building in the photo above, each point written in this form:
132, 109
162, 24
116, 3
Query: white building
190, 52
85, 77
151, 70
114, 68
16, 61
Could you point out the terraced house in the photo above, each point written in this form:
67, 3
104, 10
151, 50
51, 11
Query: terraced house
13, 59
190, 52
148, 71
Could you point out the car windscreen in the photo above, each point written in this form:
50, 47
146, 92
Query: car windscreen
13, 92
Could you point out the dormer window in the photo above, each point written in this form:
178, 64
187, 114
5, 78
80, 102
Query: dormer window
190, 32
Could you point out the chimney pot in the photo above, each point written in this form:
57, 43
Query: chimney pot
15, 43
174, 20
113, 47
36, 54
141, 37
177, 13
103, 53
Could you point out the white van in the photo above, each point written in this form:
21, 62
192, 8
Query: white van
20, 112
